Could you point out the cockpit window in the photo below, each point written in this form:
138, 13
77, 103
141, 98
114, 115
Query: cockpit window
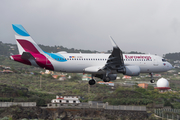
163, 60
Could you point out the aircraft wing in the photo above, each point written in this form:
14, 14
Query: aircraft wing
115, 60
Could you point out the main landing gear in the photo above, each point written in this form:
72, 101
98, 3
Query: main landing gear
152, 80
107, 79
92, 81
106, 76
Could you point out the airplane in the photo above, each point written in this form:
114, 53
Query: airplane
103, 66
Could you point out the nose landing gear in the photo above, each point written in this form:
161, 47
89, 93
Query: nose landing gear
152, 80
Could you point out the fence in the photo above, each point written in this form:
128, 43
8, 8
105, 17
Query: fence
168, 113
124, 107
98, 106
23, 104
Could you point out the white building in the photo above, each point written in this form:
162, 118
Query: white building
66, 99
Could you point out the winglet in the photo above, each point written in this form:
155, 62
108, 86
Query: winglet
18, 28
113, 42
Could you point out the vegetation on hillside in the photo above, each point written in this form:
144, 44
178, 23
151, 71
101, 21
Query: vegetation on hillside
7, 49
21, 94
74, 86
22, 86
172, 56
51, 87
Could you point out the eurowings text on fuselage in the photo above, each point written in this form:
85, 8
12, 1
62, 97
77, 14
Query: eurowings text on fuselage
104, 66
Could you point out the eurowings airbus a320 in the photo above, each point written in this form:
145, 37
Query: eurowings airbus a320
103, 66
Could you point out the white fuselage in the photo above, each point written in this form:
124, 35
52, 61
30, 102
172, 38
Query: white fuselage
78, 62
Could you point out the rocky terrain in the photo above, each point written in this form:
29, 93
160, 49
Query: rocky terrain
18, 112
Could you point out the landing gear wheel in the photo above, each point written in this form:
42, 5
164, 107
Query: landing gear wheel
152, 81
92, 82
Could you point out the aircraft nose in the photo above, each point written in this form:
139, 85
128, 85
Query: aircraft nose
169, 66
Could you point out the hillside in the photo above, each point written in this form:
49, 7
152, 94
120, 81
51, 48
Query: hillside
6, 49
25, 87
22, 86
15, 93
172, 56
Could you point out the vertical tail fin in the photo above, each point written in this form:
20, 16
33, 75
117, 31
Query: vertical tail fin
29, 52
24, 41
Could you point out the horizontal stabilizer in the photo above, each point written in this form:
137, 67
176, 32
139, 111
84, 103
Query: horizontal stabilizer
27, 56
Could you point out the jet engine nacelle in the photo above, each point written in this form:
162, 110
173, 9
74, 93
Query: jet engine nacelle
130, 70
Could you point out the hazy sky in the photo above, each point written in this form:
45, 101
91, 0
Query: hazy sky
150, 26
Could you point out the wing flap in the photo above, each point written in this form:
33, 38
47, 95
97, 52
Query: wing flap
94, 69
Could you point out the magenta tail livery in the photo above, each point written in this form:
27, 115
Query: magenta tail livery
104, 66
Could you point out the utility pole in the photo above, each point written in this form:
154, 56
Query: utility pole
88, 91
40, 81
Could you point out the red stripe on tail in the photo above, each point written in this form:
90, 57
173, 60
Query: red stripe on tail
28, 46
40, 59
